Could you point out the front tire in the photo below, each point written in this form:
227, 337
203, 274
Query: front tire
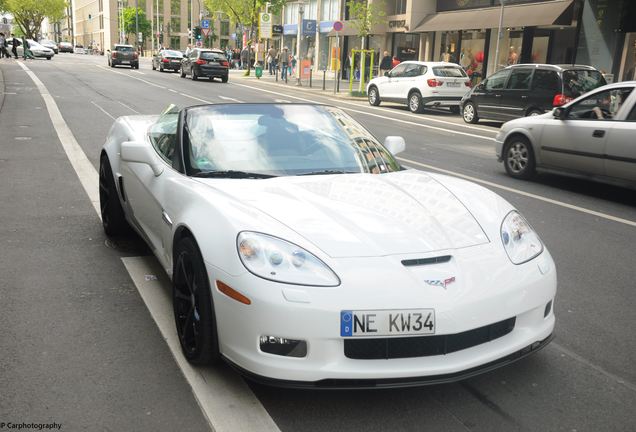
469, 113
415, 102
374, 96
113, 218
192, 304
224, 79
518, 158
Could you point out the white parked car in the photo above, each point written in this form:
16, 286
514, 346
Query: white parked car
591, 137
420, 84
304, 255
37, 49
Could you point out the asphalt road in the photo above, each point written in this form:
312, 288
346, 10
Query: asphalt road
79, 347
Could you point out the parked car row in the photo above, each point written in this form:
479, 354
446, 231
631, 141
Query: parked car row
36, 48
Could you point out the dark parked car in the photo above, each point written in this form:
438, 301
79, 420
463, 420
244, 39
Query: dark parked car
528, 89
167, 60
65, 47
124, 55
205, 63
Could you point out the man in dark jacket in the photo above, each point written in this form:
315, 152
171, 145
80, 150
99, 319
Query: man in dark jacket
15, 43
385, 63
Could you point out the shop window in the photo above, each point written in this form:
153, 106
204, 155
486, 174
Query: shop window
520, 79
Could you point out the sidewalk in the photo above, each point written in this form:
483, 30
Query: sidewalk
315, 86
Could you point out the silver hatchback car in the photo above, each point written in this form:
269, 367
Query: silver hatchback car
594, 136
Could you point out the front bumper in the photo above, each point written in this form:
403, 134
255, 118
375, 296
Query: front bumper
312, 314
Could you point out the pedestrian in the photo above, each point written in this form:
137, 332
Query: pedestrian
245, 58
15, 43
188, 50
283, 60
385, 63
395, 62
3, 46
272, 53
26, 52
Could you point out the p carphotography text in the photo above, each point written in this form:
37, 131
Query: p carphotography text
30, 426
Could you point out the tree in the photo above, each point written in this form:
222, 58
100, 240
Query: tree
245, 12
129, 23
28, 14
365, 16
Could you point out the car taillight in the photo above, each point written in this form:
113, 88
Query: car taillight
224, 63
468, 83
135, 55
434, 83
114, 55
200, 62
560, 99
165, 60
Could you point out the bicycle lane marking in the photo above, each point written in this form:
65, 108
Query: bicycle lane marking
232, 406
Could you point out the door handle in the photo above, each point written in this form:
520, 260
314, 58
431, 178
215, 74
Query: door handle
598, 133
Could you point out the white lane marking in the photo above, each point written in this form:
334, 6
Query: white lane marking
8, 93
130, 76
225, 399
83, 168
102, 110
589, 364
140, 73
450, 131
195, 98
228, 98
526, 194
173, 91
129, 107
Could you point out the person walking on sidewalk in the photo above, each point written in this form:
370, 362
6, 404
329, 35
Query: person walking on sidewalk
385, 63
15, 43
272, 53
26, 52
3, 46
283, 60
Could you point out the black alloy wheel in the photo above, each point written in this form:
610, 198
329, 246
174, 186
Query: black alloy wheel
518, 157
192, 303
113, 219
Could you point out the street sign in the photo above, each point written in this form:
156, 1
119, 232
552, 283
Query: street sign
338, 26
205, 24
265, 25
205, 31
277, 29
309, 27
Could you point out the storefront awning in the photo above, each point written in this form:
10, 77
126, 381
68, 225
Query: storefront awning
524, 15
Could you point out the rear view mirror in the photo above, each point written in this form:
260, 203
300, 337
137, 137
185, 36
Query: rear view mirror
559, 113
395, 144
139, 152
387, 74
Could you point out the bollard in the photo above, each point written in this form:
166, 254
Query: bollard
310, 76
338, 82
324, 77
276, 73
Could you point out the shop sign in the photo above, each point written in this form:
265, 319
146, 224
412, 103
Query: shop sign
395, 24
277, 29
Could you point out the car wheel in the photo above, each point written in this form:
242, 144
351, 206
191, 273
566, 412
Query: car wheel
518, 157
48, 58
454, 109
194, 75
415, 102
470, 113
534, 112
192, 303
374, 96
224, 79
113, 219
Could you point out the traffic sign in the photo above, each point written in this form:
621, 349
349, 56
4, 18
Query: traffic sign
205, 31
265, 25
205, 24
338, 26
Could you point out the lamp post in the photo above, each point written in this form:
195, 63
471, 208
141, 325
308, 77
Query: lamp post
301, 11
499, 34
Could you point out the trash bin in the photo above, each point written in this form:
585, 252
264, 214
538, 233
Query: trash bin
258, 70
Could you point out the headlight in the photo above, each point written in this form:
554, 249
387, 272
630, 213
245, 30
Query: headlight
519, 239
280, 261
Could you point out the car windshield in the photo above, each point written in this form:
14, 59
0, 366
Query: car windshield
123, 48
449, 71
208, 55
171, 53
281, 140
578, 82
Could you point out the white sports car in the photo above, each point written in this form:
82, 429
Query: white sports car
304, 255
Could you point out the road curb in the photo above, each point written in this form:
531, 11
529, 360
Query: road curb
2, 88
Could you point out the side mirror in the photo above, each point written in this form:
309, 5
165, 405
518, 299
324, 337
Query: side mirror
139, 152
395, 144
387, 74
559, 113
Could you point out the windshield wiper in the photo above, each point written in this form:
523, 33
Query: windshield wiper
232, 174
325, 172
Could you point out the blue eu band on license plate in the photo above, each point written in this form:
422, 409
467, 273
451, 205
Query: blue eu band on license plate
381, 323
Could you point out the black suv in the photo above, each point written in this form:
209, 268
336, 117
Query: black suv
528, 89
205, 63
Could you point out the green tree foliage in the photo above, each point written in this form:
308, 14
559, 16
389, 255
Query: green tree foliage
365, 16
28, 14
129, 23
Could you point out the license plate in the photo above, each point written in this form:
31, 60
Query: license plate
175, 61
453, 84
125, 62
387, 322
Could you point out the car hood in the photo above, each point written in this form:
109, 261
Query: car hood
353, 215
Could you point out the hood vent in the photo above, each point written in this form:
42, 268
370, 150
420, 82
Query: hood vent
426, 261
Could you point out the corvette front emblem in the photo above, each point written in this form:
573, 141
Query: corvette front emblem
441, 283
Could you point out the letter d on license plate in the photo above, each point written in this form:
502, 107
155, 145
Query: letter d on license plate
387, 322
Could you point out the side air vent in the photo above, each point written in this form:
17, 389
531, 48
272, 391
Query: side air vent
426, 261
